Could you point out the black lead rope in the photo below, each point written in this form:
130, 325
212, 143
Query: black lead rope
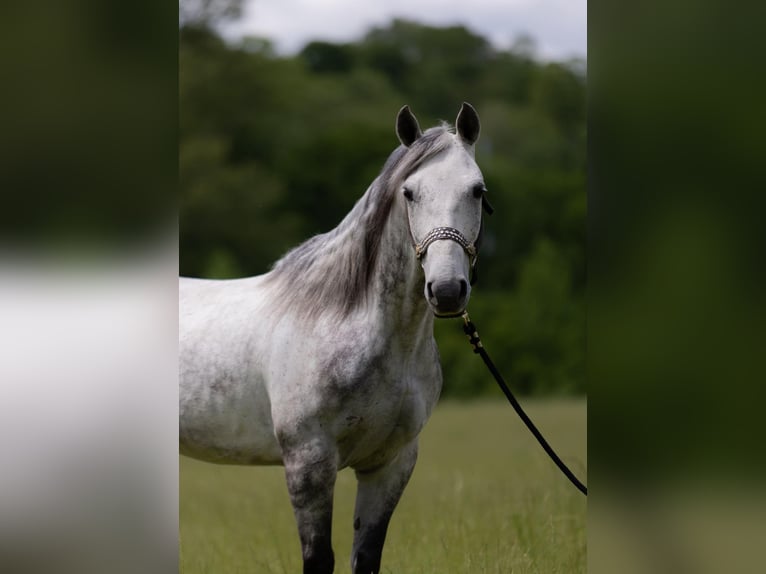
470, 329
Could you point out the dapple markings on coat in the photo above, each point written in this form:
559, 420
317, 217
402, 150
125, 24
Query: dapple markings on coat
328, 361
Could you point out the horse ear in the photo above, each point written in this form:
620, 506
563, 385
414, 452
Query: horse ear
407, 128
468, 126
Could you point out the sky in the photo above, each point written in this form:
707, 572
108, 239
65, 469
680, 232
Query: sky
558, 27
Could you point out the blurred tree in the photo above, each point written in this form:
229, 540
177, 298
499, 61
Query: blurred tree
234, 219
435, 66
508, 78
324, 57
559, 92
548, 341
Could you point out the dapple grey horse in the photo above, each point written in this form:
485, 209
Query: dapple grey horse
329, 361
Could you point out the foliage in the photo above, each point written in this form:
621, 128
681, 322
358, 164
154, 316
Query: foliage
274, 149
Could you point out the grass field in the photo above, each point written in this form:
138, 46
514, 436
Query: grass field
484, 497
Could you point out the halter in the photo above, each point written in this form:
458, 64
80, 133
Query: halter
451, 234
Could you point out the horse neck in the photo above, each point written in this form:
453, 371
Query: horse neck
398, 281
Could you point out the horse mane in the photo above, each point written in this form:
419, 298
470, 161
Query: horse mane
333, 271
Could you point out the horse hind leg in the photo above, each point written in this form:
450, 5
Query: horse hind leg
310, 475
378, 493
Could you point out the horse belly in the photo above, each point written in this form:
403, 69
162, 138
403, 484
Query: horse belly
220, 429
224, 407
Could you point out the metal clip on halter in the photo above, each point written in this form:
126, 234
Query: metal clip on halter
470, 330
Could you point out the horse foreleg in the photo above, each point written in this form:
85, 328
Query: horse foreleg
310, 481
378, 493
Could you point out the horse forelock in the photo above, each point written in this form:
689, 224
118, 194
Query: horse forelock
333, 272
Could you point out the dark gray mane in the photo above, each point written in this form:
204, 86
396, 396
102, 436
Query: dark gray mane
333, 271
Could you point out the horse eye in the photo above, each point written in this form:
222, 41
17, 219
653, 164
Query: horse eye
479, 190
407, 193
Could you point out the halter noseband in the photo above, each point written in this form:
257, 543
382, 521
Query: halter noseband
452, 234
447, 233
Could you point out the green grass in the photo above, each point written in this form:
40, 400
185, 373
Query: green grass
484, 498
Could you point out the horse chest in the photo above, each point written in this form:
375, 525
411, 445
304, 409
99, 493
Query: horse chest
384, 404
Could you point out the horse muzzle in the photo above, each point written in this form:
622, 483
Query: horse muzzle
447, 289
448, 298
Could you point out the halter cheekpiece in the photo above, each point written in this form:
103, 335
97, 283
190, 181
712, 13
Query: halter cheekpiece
446, 233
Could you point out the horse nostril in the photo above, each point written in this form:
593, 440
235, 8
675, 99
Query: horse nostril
428, 289
463, 289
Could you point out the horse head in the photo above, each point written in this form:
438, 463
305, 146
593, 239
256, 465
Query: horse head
443, 199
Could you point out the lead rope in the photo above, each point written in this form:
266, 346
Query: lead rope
473, 336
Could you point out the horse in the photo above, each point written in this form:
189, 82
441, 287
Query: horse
328, 360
